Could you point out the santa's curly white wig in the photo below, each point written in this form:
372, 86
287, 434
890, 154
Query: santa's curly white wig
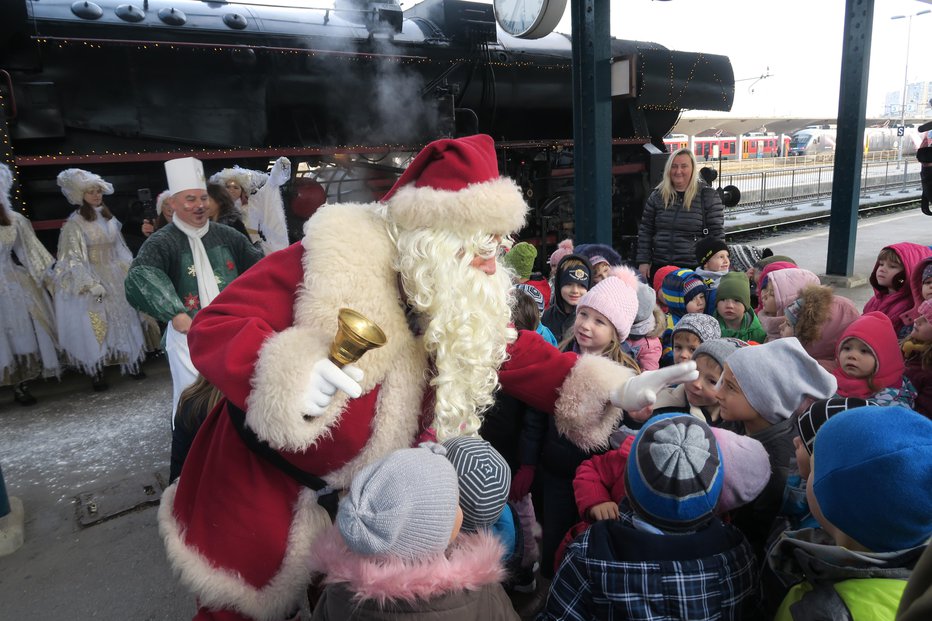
467, 314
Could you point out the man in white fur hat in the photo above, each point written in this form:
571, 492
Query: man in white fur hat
184, 265
258, 484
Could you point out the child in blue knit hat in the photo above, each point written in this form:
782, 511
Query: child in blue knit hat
856, 565
666, 534
682, 292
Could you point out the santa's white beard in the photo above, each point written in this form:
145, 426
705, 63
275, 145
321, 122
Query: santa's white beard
467, 332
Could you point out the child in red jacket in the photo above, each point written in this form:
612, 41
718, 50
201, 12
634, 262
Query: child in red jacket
869, 363
599, 485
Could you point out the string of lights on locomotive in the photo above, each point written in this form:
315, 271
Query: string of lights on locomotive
119, 86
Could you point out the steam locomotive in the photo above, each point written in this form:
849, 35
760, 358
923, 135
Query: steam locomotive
349, 93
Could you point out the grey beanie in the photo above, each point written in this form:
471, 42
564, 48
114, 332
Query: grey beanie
647, 298
719, 349
777, 377
403, 505
706, 327
484, 480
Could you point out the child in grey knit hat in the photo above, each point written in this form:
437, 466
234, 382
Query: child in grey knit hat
398, 552
698, 397
405, 505
691, 331
764, 388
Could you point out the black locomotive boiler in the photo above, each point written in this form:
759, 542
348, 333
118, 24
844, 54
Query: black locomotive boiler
348, 93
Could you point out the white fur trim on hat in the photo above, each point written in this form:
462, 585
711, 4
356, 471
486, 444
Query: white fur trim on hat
160, 200
249, 180
74, 182
494, 206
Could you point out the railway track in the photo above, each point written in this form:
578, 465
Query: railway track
755, 232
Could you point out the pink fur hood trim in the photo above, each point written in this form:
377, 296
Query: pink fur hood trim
474, 561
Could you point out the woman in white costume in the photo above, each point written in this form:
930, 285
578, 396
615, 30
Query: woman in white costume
96, 325
27, 325
258, 197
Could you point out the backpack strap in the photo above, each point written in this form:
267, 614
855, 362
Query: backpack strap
326, 495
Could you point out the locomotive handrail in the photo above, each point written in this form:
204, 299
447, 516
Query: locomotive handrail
9, 84
224, 46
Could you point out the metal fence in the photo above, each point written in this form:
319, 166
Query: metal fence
791, 188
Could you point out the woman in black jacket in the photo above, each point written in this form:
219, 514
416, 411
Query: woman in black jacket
680, 211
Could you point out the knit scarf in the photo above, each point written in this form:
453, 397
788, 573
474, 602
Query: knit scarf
207, 288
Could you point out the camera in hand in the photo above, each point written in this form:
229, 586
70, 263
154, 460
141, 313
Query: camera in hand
145, 204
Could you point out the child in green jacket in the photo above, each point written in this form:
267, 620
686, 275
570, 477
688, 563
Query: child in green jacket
733, 309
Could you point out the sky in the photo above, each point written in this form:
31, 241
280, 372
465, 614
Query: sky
797, 41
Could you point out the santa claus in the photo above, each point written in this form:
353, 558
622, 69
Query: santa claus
423, 265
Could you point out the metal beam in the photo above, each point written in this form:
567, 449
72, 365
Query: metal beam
592, 120
849, 143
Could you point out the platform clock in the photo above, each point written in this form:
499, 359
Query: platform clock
529, 19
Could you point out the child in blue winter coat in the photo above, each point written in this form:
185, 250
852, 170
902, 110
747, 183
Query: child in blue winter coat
667, 556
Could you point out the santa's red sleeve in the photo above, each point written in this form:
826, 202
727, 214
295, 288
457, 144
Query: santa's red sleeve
597, 476
575, 389
226, 336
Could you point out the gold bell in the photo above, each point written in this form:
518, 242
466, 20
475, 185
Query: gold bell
355, 336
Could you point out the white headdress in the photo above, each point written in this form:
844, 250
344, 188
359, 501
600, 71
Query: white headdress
6, 182
249, 180
160, 200
74, 182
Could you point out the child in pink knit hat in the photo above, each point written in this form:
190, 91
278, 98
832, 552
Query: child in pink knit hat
604, 316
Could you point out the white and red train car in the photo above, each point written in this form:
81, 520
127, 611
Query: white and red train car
753, 146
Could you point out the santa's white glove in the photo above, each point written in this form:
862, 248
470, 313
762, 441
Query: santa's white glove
326, 379
641, 390
97, 291
280, 173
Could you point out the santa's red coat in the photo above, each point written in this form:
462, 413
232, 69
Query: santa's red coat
237, 528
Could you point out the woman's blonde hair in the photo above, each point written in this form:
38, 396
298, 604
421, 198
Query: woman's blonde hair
668, 192
613, 351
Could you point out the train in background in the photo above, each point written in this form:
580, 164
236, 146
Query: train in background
753, 145
349, 93
818, 139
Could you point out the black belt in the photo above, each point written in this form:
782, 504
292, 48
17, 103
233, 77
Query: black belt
326, 495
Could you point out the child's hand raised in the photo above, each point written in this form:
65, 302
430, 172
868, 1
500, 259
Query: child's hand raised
604, 511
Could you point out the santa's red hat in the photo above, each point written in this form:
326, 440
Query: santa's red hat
453, 184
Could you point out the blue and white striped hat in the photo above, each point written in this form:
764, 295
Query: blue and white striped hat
484, 480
